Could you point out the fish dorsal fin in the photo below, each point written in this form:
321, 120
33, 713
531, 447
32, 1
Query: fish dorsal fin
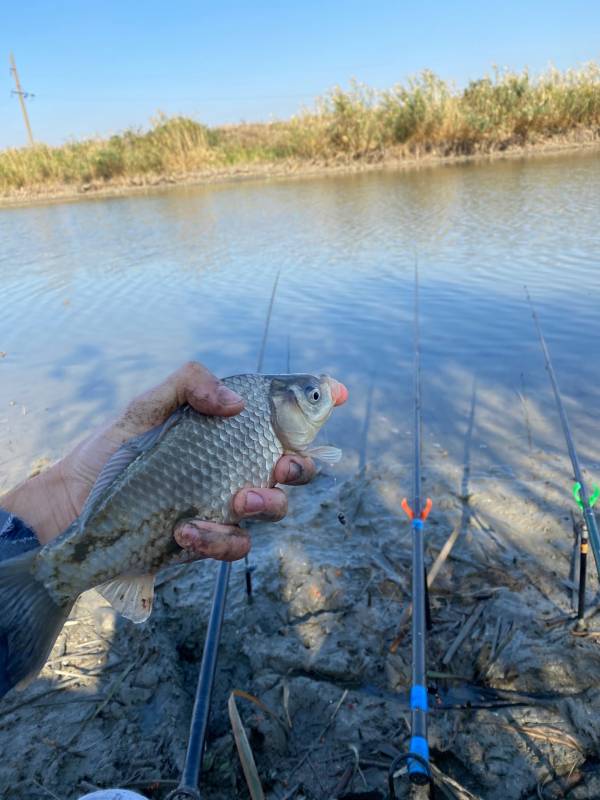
120, 460
130, 595
326, 453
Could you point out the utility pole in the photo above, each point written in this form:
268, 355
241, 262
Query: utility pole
22, 96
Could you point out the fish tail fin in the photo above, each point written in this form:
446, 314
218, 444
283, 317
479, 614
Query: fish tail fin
30, 621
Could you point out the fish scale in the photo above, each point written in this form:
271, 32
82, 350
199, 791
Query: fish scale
190, 466
193, 471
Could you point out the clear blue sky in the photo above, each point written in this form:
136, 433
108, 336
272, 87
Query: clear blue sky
98, 66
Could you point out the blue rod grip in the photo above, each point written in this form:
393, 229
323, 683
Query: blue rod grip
418, 698
418, 746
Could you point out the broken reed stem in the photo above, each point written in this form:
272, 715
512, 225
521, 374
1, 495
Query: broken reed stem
463, 633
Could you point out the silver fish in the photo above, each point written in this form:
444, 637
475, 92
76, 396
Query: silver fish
191, 466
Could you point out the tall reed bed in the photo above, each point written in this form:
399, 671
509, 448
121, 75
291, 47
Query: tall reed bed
424, 115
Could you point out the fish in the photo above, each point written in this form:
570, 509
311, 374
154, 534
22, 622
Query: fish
190, 466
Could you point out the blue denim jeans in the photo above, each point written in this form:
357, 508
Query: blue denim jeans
15, 536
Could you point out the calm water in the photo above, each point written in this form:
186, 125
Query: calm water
102, 298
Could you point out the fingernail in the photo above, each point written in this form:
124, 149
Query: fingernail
228, 397
185, 538
253, 502
294, 472
194, 536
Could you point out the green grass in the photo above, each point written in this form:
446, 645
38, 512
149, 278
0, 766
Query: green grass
426, 115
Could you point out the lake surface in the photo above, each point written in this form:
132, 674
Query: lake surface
102, 298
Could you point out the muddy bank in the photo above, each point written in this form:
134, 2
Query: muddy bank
578, 140
332, 585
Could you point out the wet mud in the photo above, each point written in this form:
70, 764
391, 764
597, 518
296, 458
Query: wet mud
325, 648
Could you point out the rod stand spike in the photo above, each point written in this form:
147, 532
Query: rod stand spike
427, 509
407, 509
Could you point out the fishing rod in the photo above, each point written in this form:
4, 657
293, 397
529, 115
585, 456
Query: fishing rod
194, 757
590, 529
261, 358
417, 758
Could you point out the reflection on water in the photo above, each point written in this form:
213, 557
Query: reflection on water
102, 298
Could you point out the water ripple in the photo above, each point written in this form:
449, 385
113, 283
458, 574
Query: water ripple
101, 298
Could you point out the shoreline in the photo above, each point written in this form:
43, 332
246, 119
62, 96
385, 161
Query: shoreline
293, 168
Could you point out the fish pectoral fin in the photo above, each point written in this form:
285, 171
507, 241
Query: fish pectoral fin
130, 595
326, 453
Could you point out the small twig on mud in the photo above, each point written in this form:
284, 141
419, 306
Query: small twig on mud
45, 789
348, 775
545, 733
556, 622
89, 787
464, 632
539, 789
85, 645
345, 781
451, 788
388, 570
263, 706
586, 634
592, 611
289, 794
29, 700
502, 643
550, 734
354, 749
315, 773
286, 702
373, 762
72, 655
485, 528
60, 746
320, 736
442, 556
75, 675
495, 639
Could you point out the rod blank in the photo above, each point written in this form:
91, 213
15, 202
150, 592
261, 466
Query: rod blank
418, 769
590, 519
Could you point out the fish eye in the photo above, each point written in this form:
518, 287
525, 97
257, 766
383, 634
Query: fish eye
313, 395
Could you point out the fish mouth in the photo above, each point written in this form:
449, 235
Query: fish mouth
339, 393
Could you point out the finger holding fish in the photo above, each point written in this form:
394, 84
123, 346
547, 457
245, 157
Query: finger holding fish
190, 466
193, 384
294, 470
202, 539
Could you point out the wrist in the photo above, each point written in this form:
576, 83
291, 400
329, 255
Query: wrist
36, 501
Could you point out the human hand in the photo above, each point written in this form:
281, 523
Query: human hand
52, 500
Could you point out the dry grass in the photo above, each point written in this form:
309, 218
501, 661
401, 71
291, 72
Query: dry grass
426, 115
